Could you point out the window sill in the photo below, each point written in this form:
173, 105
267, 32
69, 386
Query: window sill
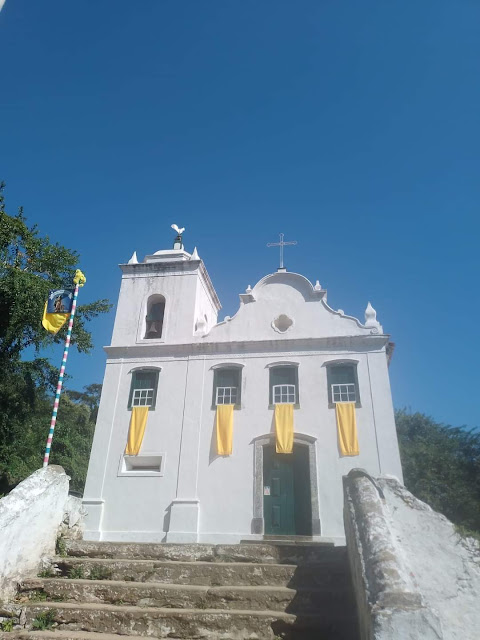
332, 405
295, 406
236, 407
140, 406
144, 464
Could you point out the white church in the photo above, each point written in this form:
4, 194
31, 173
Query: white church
235, 430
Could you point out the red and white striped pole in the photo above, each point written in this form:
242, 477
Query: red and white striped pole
60, 377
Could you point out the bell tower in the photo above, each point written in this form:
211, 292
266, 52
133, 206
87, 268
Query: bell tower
166, 299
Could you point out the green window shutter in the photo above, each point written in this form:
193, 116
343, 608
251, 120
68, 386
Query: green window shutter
342, 374
227, 377
297, 391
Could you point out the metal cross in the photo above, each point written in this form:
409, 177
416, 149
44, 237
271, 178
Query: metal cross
281, 244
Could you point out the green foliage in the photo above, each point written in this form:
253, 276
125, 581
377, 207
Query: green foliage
6, 625
441, 466
90, 397
31, 265
61, 547
45, 620
100, 573
73, 440
76, 572
463, 532
47, 573
22, 440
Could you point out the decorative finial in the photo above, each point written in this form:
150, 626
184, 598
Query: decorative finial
248, 289
281, 244
371, 319
133, 259
178, 243
195, 255
317, 286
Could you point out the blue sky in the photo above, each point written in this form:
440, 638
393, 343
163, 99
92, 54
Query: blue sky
352, 127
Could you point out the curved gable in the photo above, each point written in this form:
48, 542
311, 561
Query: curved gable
285, 305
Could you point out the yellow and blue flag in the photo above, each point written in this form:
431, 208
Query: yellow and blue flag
57, 309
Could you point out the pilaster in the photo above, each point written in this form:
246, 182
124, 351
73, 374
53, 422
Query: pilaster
185, 508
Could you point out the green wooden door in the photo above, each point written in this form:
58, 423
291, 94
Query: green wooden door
278, 493
286, 492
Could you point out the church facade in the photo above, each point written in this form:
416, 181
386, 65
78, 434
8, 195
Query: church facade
241, 429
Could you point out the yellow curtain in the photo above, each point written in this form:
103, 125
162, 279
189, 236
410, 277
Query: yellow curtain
284, 428
138, 422
53, 322
347, 428
224, 422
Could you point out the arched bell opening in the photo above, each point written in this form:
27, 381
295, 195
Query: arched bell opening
154, 317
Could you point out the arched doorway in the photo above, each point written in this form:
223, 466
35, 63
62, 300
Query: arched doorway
287, 504
285, 488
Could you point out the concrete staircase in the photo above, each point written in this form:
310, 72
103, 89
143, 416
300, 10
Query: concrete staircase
230, 592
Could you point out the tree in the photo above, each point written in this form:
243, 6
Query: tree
31, 265
90, 397
441, 466
73, 438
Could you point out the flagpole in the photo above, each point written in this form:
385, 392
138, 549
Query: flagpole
60, 377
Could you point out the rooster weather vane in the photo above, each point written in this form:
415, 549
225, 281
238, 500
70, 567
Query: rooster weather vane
178, 243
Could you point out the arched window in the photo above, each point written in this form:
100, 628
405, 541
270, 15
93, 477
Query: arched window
143, 388
283, 384
154, 317
342, 382
227, 385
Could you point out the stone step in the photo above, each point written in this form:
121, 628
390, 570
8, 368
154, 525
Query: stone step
151, 594
67, 635
271, 553
206, 573
191, 623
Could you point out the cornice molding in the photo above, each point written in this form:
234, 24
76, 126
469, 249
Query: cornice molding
280, 348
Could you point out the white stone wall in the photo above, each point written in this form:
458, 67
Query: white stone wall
414, 576
444, 566
30, 516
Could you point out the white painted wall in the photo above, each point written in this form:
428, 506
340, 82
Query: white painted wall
201, 496
293, 295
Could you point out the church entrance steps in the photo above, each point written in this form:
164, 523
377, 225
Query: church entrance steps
195, 573
261, 591
187, 623
271, 552
67, 635
152, 594
206, 573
